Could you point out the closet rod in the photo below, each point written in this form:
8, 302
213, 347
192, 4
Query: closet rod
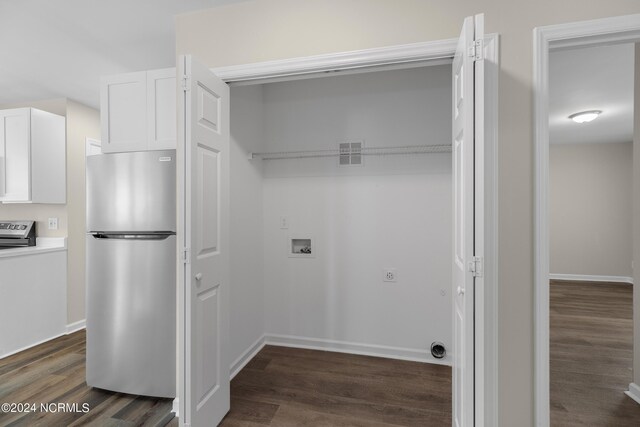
364, 151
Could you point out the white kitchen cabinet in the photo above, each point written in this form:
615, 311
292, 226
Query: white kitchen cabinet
123, 111
138, 111
161, 109
33, 297
32, 156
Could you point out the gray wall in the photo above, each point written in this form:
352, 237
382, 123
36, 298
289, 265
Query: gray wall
590, 209
389, 212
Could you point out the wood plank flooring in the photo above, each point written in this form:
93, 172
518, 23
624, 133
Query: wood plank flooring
591, 351
297, 387
54, 372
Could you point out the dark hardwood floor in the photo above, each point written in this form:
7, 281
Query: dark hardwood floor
54, 372
296, 387
591, 354
279, 387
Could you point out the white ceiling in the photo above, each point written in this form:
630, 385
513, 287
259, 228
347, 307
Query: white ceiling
594, 78
60, 48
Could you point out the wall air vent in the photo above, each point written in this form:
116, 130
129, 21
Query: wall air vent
350, 153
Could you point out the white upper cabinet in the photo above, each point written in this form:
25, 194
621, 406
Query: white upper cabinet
138, 111
32, 156
123, 112
161, 109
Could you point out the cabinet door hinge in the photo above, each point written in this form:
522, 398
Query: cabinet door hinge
476, 50
186, 255
186, 86
477, 266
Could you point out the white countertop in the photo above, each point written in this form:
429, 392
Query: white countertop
43, 245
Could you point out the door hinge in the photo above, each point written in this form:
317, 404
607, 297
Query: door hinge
476, 50
185, 83
186, 255
477, 266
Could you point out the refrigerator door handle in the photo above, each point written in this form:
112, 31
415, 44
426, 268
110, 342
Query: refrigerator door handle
132, 236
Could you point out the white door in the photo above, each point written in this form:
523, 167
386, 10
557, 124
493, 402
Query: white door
203, 188
464, 139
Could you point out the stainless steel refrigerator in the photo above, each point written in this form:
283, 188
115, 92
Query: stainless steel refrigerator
131, 272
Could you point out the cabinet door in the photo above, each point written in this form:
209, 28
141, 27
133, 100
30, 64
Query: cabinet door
123, 112
15, 173
161, 109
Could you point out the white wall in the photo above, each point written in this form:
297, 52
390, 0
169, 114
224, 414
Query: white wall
591, 209
393, 212
247, 285
82, 122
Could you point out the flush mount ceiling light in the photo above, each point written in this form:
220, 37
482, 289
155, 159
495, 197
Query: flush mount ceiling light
585, 116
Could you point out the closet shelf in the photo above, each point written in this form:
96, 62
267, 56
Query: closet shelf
365, 151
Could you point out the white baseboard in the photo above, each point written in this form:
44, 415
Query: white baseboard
591, 278
633, 392
27, 347
175, 407
68, 329
76, 326
246, 357
414, 355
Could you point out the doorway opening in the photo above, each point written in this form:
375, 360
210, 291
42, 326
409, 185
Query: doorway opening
591, 239
584, 240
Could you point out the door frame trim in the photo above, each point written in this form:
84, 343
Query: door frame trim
288, 69
416, 54
618, 29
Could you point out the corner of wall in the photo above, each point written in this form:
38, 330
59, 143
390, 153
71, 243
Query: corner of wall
82, 122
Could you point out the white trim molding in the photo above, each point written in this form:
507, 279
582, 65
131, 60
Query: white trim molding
27, 347
400, 353
563, 36
175, 407
76, 326
633, 392
591, 278
384, 56
246, 356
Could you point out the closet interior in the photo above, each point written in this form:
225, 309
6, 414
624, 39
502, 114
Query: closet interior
341, 213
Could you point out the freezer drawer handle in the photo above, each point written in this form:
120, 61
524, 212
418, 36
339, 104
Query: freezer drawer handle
125, 236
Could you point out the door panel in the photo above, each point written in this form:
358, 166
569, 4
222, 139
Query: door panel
463, 144
205, 144
208, 344
208, 214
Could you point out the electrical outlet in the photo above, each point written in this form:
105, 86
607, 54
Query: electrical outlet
284, 222
53, 223
389, 275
